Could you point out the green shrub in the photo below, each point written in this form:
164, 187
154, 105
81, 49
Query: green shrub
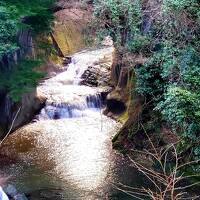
23, 78
119, 19
169, 81
11, 14
8, 31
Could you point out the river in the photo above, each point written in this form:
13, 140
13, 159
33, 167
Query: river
66, 152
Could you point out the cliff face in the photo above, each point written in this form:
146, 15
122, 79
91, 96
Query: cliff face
7, 63
122, 101
68, 29
67, 37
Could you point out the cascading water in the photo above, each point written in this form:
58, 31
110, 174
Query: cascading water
70, 110
67, 149
65, 97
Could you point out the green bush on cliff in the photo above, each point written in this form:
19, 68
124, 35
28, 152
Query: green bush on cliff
177, 64
8, 31
120, 19
36, 14
23, 78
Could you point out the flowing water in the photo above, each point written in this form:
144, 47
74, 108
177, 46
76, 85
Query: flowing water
66, 153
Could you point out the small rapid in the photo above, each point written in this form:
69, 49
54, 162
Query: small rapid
55, 110
66, 98
66, 152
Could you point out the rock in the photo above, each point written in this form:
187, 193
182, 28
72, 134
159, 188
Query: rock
116, 107
115, 94
10, 190
67, 60
9, 60
20, 197
99, 74
31, 104
117, 101
107, 41
3, 196
67, 35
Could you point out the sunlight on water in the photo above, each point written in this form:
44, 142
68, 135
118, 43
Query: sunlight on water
70, 140
79, 146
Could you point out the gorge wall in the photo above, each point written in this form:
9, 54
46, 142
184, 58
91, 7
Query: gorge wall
66, 38
7, 63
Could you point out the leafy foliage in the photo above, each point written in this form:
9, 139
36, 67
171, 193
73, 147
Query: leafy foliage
36, 15
178, 67
22, 79
37, 11
11, 14
119, 19
8, 31
169, 80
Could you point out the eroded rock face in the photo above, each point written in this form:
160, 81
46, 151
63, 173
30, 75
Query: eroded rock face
10, 59
117, 102
30, 104
99, 74
5, 107
68, 29
116, 107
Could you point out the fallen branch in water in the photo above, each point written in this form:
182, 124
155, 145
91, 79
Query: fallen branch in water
12, 124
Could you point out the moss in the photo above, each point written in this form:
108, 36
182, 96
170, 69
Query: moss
124, 117
21, 79
117, 141
68, 38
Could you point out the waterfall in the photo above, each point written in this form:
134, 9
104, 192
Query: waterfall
67, 110
66, 98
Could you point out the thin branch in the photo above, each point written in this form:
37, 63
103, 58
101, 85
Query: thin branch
187, 186
11, 127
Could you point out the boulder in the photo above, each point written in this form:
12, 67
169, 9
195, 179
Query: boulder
31, 104
12, 192
99, 74
3, 196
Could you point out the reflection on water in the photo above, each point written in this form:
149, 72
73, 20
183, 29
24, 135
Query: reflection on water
74, 155
68, 149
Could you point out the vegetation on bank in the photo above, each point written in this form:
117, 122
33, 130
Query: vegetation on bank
14, 16
167, 33
22, 79
17, 14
